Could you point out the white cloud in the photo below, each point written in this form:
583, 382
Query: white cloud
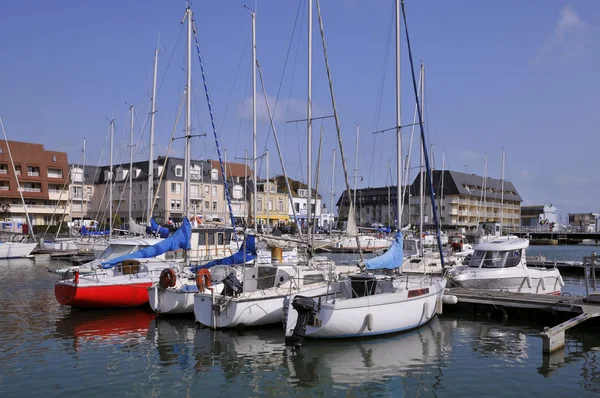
287, 109
571, 35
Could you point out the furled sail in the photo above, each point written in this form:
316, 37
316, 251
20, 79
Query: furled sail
135, 228
181, 239
153, 227
247, 252
392, 258
351, 229
87, 232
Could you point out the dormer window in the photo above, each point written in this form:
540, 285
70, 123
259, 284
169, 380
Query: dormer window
178, 171
238, 192
303, 193
214, 174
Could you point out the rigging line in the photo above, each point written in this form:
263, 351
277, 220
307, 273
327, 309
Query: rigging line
425, 155
287, 55
170, 59
382, 82
235, 79
214, 127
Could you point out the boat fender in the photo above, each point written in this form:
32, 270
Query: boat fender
560, 280
76, 276
543, 282
167, 278
528, 281
449, 299
426, 310
369, 322
203, 280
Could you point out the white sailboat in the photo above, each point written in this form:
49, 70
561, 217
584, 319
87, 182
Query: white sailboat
379, 300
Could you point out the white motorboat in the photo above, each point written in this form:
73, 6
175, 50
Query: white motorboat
16, 249
368, 303
501, 265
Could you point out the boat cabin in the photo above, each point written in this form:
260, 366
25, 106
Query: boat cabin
499, 253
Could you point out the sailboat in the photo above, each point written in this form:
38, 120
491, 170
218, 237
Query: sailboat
378, 300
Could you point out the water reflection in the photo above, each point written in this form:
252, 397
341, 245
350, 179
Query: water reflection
126, 327
354, 362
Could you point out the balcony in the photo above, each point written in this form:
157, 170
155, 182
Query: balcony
54, 174
33, 173
3, 171
30, 189
39, 209
58, 194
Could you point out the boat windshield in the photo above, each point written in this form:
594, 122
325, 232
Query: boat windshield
115, 250
410, 246
495, 259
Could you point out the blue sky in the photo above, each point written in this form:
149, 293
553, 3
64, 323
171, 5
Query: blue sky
512, 74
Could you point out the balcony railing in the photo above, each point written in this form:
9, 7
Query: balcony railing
4, 187
31, 189
33, 173
3, 171
54, 175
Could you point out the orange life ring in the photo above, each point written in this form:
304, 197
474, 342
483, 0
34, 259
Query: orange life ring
198, 220
167, 278
203, 280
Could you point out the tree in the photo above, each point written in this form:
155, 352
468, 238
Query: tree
5, 211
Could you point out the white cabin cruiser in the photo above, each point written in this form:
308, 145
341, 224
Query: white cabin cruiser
501, 265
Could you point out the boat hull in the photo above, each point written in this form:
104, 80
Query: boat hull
172, 300
227, 312
16, 249
102, 295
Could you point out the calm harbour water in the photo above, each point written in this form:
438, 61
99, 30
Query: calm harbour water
49, 350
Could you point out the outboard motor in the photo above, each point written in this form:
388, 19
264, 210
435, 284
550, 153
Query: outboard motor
307, 310
231, 286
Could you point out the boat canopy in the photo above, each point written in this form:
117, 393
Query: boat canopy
153, 227
135, 228
506, 243
87, 232
247, 252
179, 240
390, 259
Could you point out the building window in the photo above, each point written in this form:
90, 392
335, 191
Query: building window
206, 204
214, 174
175, 204
17, 169
214, 190
214, 206
195, 172
134, 205
259, 205
194, 191
206, 190
303, 193
178, 171
33, 171
238, 192
55, 173
280, 205
297, 207
1, 150
3, 169
54, 158
175, 187
270, 205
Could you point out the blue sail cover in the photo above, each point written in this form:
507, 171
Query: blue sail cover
179, 240
153, 227
246, 253
87, 232
391, 258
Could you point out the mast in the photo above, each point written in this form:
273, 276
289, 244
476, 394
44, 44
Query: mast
309, 125
422, 169
246, 220
82, 181
130, 163
188, 124
110, 185
398, 121
267, 195
441, 202
318, 173
255, 178
502, 194
356, 162
151, 146
332, 190
389, 184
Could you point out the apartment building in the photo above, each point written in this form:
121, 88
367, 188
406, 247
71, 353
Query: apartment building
43, 180
81, 191
207, 192
300, 200
272, 203
462, 200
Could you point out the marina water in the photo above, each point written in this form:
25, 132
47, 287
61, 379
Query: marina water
49, 350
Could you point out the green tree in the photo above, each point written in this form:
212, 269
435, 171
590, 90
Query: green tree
4, 211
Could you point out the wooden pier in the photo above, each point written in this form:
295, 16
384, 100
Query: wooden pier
496, 303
